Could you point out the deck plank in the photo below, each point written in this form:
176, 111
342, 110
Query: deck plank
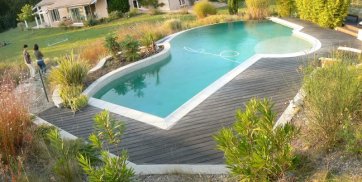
190, 140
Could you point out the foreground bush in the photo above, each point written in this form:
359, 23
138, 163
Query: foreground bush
328, 13
333, 103
204, 8
253, 150
108, 131
14, 122
257, 9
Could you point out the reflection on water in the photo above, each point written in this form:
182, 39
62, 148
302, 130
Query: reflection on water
136, 84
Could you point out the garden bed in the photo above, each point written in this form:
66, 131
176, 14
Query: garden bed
113, 64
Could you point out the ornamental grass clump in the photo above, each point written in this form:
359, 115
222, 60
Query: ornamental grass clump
70, 76
333, 104
253, 149
257, 9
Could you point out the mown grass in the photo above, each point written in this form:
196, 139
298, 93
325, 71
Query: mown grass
77, 37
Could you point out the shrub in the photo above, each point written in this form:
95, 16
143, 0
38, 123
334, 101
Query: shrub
133, 12
328, 13
114, 15
93, 52
70, 72
154, 11
118, 5
233, 6
285, 8
107, 132
148, 41
66, 23
257, 9
21, 26
173, 24
130, 48
65, 154
253, 150
90, 22
112, 45
333, 101
204, 8
73, 98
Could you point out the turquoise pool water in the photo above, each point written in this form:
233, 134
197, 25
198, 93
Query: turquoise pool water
198, 58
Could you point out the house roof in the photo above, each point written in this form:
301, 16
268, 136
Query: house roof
54, 4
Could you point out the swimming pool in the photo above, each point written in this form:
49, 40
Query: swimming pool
198, 58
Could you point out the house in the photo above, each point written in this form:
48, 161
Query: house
50, 13
169, 5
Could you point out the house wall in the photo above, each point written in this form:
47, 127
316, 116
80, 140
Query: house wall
63, 13
102, 9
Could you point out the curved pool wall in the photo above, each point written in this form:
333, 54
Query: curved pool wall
166, 122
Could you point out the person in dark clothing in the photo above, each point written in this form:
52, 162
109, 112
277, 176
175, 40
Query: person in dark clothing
39, 57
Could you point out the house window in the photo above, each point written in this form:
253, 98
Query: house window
182, 2
54, 14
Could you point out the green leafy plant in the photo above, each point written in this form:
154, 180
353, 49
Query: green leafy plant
90, 22
73, 97
65, 153
285, 8
130, 48
253, 149
26, 14
112, 44
70, 72
333, 102
108, 131
328, 13
148, 41
204, 8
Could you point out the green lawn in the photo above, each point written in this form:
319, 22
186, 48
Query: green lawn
76, 37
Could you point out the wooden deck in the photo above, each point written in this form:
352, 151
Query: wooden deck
190, 140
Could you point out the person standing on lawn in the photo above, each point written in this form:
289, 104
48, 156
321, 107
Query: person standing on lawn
39, 57
27, 60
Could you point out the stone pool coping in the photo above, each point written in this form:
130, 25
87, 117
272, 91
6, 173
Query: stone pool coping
169, 121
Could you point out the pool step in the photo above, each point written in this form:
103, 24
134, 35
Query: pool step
349, 29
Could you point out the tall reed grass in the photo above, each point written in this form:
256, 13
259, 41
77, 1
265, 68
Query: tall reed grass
14, 120
93, 52
257, 9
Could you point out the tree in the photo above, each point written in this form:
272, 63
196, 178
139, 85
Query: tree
285, 7
233, 6
118, 5
326, 13
26, 14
